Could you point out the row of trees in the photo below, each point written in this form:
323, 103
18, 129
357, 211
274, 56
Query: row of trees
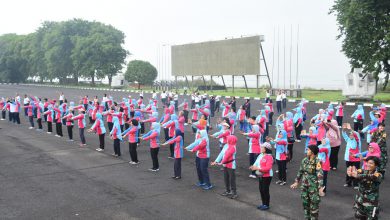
364, 27
63, 50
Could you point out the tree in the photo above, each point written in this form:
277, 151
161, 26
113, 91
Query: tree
141, 71
364, 30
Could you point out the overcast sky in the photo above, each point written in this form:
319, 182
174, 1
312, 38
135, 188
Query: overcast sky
149, 25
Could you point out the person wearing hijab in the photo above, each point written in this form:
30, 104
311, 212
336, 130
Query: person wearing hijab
263, 168
323, 155
184, 105
80, 118
178, 143
227, 159
288, 125
281, 156
132, 132
371, 128
49, 118
222, 134
334, 136
172, 125
100, 130
69, 123
373, 150
154, 136
340, 113
254, 146
311, 137
352, 148
358, 118
298, 122
116, 135
202, 148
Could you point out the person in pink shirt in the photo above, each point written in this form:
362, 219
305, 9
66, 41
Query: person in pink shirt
58, 121
340, 113
254, 146
29, 109
69, 123
100, 130
323, 156
263, 168
154, 137
81, 122
334, 136
49, 118
132, 133
178, 152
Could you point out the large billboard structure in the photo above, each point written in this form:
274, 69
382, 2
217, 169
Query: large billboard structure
234, 57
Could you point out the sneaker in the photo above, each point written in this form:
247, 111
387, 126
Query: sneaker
49, 132
347, 185
226, 193
170, 157
70, 140
260, 207
334, 168
184, 123
56, 135
282, 183
252, 176
131, 162
234, 196
277, 171
31, 128
150, 169
200, 184
99, 150
278, 182
207, 187
298, 141
136, 163
178, 177
2, 119
84, 144
264, 207
155, 170
355, 187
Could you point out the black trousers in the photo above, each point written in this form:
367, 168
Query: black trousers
59, 128
16, 118
49, 126
110, 125
229, 176
185, 116
154, 155
10, 116
142, 128
82, 137
351, 181
3, 114
25, 110
339, 120
117, 147
45, 116
217, 105
177, 167
172, 150
70, 132
358, 126
298, 130
284, 102
334, 157
126, 126
282, 166
252, 160
101, 140
31, 119
133, 152
39, 121
264, 183
279, 106
290, 147
166, 134
271, 114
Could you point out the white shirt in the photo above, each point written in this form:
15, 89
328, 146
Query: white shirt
163, 95
284, 95
196, 98
154, 96
217, 98
175, 97
61, 97
279, 98
26, 100
104, 99
192, 97
267, 95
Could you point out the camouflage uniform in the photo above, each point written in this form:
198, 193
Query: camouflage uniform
311, 174
380, 139
366, 201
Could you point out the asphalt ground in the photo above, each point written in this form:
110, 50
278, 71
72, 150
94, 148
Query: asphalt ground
46, 177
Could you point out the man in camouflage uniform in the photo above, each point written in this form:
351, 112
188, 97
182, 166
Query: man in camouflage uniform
367, 199
379, 137
310, 174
